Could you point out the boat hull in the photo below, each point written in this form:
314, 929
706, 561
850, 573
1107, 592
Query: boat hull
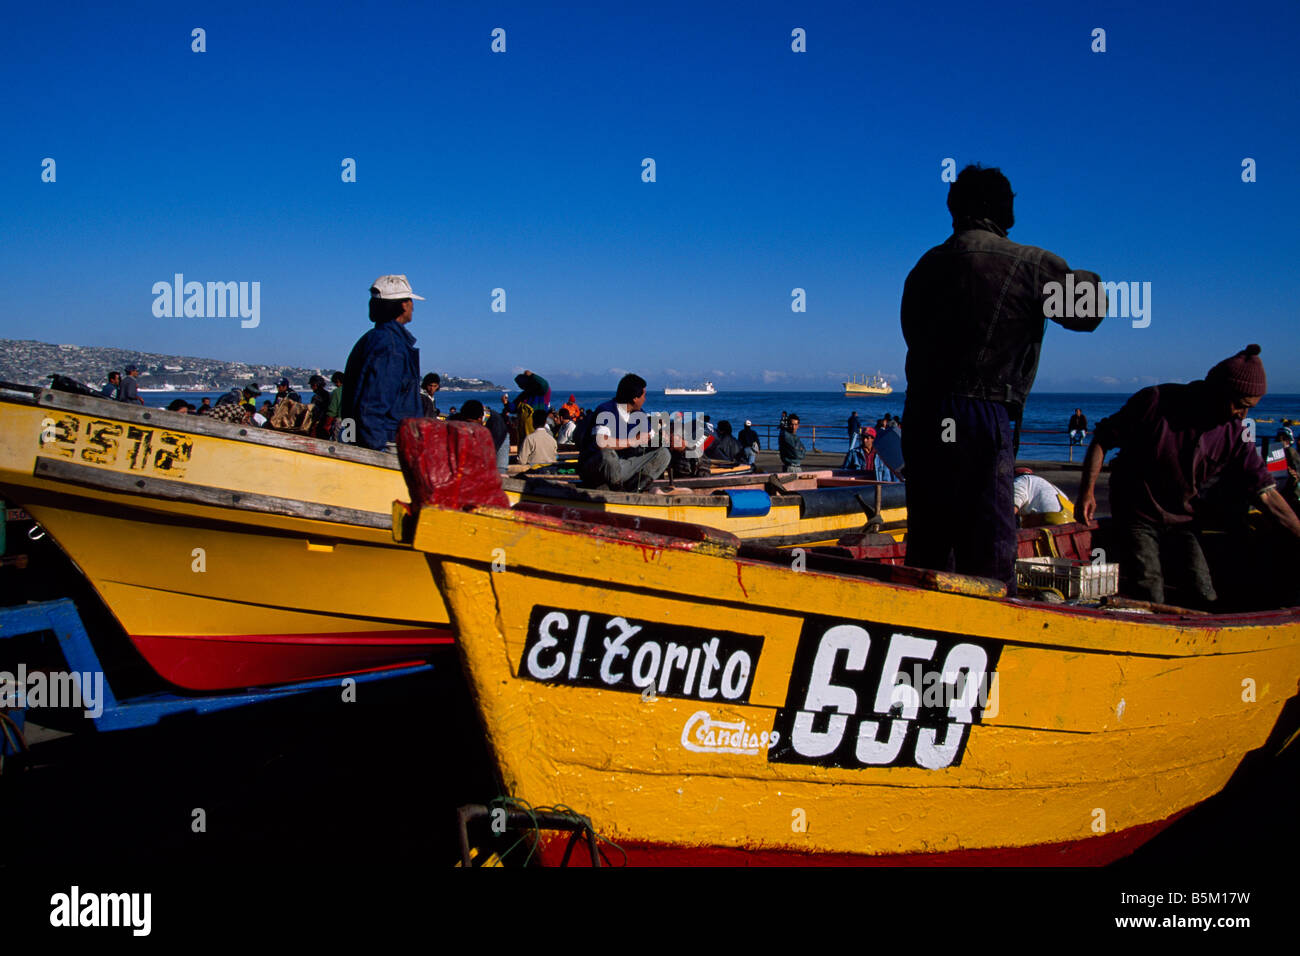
216, 599
248, 563
1098, 730
1096, 851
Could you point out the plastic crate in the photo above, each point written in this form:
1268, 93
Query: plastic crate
1076, 580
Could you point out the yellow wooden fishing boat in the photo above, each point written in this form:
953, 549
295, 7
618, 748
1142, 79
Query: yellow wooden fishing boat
790, 510
231, 556
234, 556
704, 700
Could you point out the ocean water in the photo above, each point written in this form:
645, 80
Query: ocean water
823, 416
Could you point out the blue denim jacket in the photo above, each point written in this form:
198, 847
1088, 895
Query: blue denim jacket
381, 383
973, 315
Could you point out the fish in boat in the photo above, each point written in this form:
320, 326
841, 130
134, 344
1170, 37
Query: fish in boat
706, 700
235, 556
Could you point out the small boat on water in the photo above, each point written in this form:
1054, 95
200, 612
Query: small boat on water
705, 389
709, 701
237, 556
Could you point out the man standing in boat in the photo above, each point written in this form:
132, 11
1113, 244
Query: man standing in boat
789, 446
1176, 442
381, 381
128, 390
973, 315
533, 390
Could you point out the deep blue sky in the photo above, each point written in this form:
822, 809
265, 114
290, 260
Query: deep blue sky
523, 170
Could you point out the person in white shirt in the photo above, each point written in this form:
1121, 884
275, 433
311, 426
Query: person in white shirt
1037, 501
539, 447
618, 452
567, 428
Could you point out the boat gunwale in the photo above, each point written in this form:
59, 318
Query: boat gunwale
165, 489
203, 425
640, 540
340, 451
569, 492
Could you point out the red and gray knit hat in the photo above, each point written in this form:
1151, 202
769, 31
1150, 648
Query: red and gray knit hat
1242, 375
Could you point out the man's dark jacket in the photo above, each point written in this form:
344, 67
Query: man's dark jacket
973, 315
381, 383
790, 448
725, 448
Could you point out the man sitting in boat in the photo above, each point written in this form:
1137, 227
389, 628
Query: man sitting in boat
320, 400
539, 446
726, 449
613, 449
240, 395
1176, 442
1038, 501
111, 386
568, 424
285, 393
233, 413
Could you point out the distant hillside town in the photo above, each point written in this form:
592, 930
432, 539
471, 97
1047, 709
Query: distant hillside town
26, 362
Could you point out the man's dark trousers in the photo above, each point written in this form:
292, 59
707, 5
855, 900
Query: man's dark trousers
960, 511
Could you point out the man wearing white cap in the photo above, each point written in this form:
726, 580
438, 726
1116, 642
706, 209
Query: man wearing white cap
381, 382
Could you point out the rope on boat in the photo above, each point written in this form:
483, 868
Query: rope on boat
560, 809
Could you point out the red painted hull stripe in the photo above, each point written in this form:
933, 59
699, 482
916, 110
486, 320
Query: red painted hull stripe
1094, 851
229, 662
406, 636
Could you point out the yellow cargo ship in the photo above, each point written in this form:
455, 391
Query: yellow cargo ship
873, 386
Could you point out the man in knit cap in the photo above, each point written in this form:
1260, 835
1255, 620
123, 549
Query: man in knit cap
1176, 442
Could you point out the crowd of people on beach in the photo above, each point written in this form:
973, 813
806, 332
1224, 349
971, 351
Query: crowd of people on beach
380, 386
973, 313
